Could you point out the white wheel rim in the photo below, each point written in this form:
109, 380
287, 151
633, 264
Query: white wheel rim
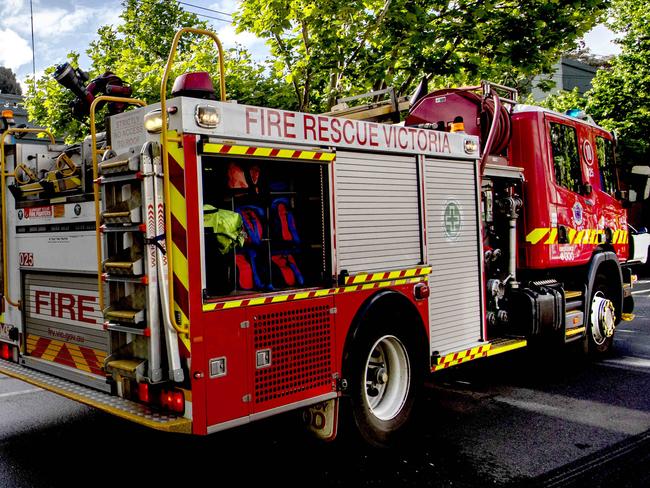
602, 318
386, 379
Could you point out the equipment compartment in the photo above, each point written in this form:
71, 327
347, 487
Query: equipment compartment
265, 225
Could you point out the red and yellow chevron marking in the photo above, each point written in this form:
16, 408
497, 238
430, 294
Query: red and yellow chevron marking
387, 275
546, 235
461, 357
267, 152
180, 273
482, 351
68, 354
210, 307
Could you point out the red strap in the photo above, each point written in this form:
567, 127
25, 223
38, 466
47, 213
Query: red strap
284, 223
287, 273
244, 272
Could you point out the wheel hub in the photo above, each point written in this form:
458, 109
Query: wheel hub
603, 318
387, 378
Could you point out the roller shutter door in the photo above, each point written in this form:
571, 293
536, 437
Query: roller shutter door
377, 212
453, 250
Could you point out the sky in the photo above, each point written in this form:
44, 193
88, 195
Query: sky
61, 26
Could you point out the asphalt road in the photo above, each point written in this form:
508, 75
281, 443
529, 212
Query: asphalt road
517, 419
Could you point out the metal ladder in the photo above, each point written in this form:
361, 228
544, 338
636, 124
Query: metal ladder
132, 266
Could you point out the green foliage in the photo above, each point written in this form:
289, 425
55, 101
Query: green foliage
8, 82
620, 99
137, 51
333, 47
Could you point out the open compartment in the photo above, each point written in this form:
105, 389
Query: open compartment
266, 225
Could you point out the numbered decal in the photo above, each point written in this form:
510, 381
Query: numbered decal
26, 259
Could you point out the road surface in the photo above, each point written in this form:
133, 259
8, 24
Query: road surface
515, 420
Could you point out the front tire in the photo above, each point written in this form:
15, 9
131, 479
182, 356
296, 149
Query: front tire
602, 319
384, 381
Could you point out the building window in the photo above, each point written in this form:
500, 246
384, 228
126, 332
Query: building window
566, 158
606, 164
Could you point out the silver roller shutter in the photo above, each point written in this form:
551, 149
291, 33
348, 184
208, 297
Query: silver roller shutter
453, 252
377, 212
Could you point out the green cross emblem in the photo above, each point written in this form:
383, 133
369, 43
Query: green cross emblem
452, 220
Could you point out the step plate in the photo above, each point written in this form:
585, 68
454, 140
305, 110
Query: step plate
485, 349
126, 409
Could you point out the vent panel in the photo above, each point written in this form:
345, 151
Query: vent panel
299, 342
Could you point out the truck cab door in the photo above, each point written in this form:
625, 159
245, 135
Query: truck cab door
572, 195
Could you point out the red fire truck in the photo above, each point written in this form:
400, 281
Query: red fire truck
204, 264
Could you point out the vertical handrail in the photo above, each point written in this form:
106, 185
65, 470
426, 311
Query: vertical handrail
4, 175
165, 154
93, 142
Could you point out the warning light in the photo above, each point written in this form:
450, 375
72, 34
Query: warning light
143, 392
5, 351
173, 400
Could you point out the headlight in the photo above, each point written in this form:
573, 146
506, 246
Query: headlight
470, 146
206, 116
153, 122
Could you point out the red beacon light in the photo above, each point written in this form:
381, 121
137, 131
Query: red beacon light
196, 85
5, 351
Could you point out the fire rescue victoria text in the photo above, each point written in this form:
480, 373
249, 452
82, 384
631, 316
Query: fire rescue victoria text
292, 125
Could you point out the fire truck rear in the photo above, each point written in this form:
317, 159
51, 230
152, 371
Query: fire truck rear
204, 264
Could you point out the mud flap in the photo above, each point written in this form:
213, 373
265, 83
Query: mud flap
322, 419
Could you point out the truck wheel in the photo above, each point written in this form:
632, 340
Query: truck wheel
384, 379
602, 319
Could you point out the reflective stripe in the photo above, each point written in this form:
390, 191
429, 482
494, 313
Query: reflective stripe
210, 307
266, 152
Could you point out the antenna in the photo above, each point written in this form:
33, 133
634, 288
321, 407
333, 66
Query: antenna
31, 14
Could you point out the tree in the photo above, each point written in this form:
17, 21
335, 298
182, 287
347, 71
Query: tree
8, 82
137, 50
333, 47
620, 99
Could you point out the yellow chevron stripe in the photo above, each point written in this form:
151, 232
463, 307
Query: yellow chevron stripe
263, 151
552, 238
178, 206
536, 235
176, 151
52, 350
180, 267
209, 307
285, 153
78, 358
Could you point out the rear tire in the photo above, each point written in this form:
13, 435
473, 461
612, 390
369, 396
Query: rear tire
384, 380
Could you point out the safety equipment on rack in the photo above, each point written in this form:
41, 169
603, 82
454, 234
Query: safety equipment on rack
289, 274
248, 276
283, 223
64, 175
226, 225
253, 218
244, 178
